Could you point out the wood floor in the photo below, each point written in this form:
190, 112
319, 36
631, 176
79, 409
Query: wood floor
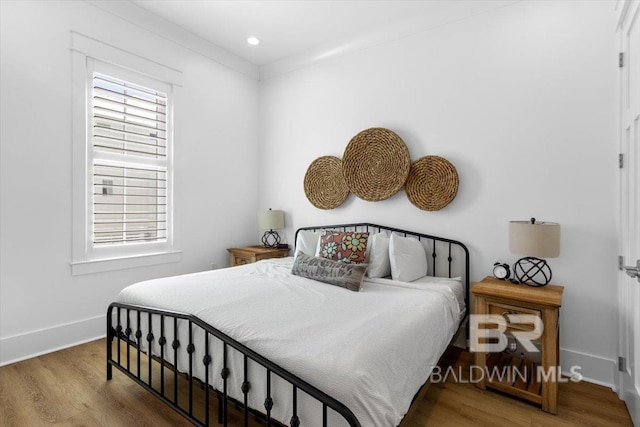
68, 388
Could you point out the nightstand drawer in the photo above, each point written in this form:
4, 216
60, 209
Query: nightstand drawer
251, 254
239, 259
503, 310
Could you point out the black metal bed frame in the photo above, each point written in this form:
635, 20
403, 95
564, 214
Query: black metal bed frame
133, 340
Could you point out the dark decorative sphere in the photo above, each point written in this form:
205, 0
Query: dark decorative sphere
270, 239
532, 271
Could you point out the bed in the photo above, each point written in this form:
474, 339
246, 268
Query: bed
289, 350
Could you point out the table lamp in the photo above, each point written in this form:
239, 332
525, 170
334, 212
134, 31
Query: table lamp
536, 240
268, 220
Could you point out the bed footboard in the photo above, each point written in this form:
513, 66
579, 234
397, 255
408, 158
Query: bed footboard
159, 349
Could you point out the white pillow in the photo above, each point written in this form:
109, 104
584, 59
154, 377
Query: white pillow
408, 259
378, 256
307, 242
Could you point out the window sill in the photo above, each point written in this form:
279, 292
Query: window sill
102, 265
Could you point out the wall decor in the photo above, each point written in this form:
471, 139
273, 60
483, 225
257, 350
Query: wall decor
376, 164
324, 184
432, 183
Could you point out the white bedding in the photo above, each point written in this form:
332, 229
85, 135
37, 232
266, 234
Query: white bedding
370, 350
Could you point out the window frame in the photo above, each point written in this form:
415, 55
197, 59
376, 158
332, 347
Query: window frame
129, 248
91, 56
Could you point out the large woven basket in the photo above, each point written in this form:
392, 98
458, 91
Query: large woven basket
376, 164
324, 184
432, 183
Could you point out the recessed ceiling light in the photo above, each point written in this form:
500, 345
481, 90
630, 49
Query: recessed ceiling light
253, 41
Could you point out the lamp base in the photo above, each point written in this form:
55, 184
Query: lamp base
532, 271
270, 239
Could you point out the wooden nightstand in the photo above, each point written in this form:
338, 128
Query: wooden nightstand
540, 385
250, 254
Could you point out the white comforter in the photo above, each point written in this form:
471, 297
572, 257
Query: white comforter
371, 350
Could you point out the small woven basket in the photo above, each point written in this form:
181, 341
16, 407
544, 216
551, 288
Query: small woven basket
376, 164
324, 184
432, 183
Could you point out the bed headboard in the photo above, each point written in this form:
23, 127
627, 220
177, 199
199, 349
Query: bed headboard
449, 258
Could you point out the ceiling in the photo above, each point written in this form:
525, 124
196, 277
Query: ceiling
290, 28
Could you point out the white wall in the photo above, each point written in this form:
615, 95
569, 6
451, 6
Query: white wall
42, 306
522, 100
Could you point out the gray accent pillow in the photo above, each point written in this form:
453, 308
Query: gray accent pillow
349, 276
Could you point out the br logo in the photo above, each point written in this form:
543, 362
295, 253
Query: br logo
487, 332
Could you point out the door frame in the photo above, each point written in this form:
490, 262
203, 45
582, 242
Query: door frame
626, 381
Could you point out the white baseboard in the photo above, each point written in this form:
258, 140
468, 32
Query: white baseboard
594, 369
35, 343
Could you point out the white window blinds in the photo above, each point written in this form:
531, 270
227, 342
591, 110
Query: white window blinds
129, 169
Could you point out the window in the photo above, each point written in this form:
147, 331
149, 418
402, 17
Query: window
123, 200
129, 143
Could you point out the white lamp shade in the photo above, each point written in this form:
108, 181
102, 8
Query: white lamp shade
539, 239
270, 220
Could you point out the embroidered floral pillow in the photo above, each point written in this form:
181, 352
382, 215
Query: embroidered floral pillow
344, 246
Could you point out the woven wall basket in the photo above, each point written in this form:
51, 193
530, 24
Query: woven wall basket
432, 183
376, 164
324, 184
